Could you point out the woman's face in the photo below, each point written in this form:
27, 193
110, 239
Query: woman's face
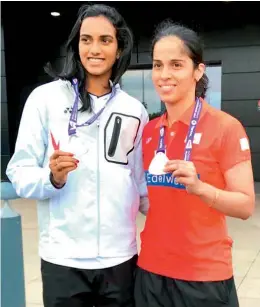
98, 47
173, 74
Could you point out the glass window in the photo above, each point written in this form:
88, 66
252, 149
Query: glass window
132, 83
138, 83
151, 98
213, 96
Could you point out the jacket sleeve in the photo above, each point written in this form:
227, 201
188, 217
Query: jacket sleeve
25, 169
139, 168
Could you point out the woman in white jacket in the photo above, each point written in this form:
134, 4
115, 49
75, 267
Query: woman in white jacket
78, 153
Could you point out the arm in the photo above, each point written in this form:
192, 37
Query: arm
25, 169
234, 157
139, 168
238, 199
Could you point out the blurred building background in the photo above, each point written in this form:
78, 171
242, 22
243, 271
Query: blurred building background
31, 36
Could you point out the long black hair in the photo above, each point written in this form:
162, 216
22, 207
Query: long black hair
73, 68
193, 45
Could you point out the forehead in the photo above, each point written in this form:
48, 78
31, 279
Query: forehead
96, 26
169, 47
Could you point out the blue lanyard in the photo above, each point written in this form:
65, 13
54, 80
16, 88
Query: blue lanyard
74, 113
190, 137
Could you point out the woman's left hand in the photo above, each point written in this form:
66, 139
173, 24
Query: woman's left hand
186, 174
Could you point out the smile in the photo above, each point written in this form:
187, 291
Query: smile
167, 87
95, 60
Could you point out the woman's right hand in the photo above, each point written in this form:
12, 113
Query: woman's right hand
61, 163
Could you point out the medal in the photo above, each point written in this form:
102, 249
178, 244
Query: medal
160, 159
158, 163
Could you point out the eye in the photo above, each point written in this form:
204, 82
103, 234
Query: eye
85, 40
106, 40
156, 65
177, 65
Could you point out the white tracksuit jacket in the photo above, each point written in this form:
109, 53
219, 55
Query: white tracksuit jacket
94, 214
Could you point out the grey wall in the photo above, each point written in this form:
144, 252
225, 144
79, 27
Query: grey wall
5, 151
238, 51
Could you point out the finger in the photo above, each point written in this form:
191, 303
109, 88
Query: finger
55, 162
58, 153
172, 167
183, 173
176, 162
69, 169
179, 162
66, 159
63, 165
60, 176
188, 167
183, 180
63, 172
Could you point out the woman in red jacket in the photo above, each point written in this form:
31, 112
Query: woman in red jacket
198, 171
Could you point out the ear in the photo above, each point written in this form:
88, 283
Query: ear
199, 71
118, 54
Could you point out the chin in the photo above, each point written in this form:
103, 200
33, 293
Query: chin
169, 99
95, 72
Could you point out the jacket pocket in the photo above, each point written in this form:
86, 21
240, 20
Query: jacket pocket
115, 136
119, 137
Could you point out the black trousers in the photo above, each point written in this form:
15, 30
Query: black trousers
152, 290
70, 287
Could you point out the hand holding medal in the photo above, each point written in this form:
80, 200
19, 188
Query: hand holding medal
159, 160
61, 163
184, 170
184, 173
157, 165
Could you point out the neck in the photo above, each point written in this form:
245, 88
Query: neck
98, 85
177, 109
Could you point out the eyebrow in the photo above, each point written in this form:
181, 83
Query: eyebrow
172, 60
103, 35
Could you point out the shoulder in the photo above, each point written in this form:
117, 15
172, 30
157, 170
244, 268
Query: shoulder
227, 129
48, 94
150, 126
223, 120
130, 99
132, 103
52, 87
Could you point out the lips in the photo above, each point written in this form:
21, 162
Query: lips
95, 60
167, 87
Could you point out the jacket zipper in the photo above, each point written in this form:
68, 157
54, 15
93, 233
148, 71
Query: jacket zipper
115, 136
98, 191
98, 184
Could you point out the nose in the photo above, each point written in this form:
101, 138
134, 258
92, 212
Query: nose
166, 73
94, 48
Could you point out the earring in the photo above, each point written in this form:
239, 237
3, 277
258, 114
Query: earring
118, 56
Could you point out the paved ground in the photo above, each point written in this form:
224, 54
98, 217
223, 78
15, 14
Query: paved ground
246, 253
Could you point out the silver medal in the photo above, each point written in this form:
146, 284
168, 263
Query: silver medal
158, 163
